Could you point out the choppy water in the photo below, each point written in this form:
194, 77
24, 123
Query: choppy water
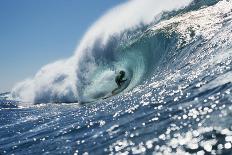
181, 104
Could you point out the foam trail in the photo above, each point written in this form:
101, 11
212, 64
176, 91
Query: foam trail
66, 80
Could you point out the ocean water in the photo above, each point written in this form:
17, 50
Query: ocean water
178, 100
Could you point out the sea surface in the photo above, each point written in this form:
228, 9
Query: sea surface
179, 100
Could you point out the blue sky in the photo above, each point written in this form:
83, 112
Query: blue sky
34, 33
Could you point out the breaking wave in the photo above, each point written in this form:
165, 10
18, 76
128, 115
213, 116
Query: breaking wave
179, 62
125, 38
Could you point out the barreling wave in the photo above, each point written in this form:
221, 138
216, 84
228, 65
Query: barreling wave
130, 37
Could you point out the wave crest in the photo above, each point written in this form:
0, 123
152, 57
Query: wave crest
106, 48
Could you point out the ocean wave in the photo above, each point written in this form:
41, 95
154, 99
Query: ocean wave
178, 100
137, 42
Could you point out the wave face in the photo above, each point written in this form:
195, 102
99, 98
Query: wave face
104, 50
178, 101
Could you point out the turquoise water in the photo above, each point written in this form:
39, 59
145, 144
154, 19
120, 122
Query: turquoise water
178, 101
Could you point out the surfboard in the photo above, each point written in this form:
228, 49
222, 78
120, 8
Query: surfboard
117, 91
110, 94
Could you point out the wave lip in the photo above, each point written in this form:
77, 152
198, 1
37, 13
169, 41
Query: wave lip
98, 53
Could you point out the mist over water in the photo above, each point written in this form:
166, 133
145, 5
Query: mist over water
178, 99
100, 52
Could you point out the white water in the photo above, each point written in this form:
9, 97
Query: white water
65, 80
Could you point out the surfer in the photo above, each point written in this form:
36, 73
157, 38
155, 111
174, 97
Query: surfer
119, 80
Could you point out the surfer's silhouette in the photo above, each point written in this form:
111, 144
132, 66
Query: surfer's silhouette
119, 80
